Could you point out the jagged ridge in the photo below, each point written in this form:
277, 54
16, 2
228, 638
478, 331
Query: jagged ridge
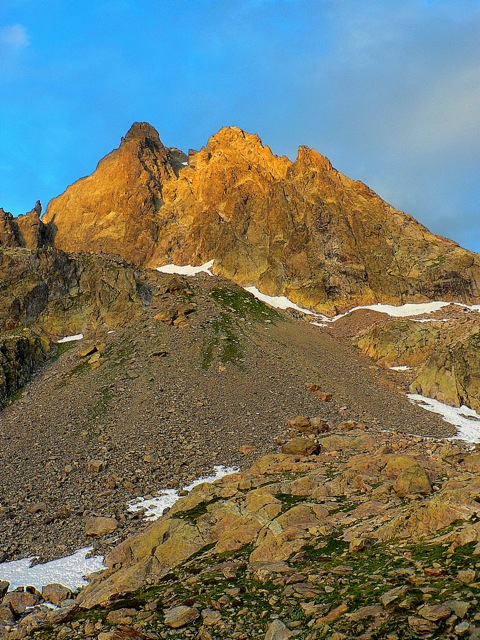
300, 228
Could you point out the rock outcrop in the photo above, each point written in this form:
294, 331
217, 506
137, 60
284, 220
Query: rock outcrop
20, 354
62, 294
27, 231
9, 235
444, 354
300, 228
452, 374
399, 342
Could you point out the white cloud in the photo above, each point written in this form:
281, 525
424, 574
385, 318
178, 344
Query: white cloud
13, 38
398, 91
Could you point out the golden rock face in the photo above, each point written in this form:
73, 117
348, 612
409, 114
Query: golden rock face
300, 229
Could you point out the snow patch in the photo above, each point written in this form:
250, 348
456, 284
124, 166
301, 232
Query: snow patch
79, 336
470, 307
278, 302
406, 310
166, 498
401, 368
187, 270
465, 419
69, 571
401, 311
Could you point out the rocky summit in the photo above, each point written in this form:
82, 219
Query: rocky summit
300, 229
348, 511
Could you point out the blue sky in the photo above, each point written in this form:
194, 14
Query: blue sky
388, 90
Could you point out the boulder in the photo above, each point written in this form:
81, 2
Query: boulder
299, 422
95, 466
421, 626
435, 612
19, 601
412, 481
180, 616
396, 464
56, 593
278, 631
97, 527
300, 447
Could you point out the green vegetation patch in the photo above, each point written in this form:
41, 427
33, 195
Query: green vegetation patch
244, 304
195, 512
62, 348
223, 340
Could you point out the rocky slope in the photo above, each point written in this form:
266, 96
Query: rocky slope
345, 534
203, 371
296, 228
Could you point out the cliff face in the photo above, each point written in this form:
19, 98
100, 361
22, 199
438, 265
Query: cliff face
62, 294
300, 229
20, 354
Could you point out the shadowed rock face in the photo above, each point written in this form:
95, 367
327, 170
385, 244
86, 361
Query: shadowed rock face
20, 354
8, 230
60, 294
301, 229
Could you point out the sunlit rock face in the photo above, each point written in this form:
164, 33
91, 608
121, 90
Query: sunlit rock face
300, 229
26, 231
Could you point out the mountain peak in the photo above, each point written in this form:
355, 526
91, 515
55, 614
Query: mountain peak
307, 157
302, 230
234, 137
142, 131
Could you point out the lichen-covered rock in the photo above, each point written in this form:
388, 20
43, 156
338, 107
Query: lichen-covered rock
412, 481
452, 374
399, 342
300, 447
180, 616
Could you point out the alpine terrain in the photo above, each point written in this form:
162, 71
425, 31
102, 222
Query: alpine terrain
274, 327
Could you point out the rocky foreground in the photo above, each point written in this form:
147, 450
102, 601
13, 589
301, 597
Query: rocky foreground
345, 533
